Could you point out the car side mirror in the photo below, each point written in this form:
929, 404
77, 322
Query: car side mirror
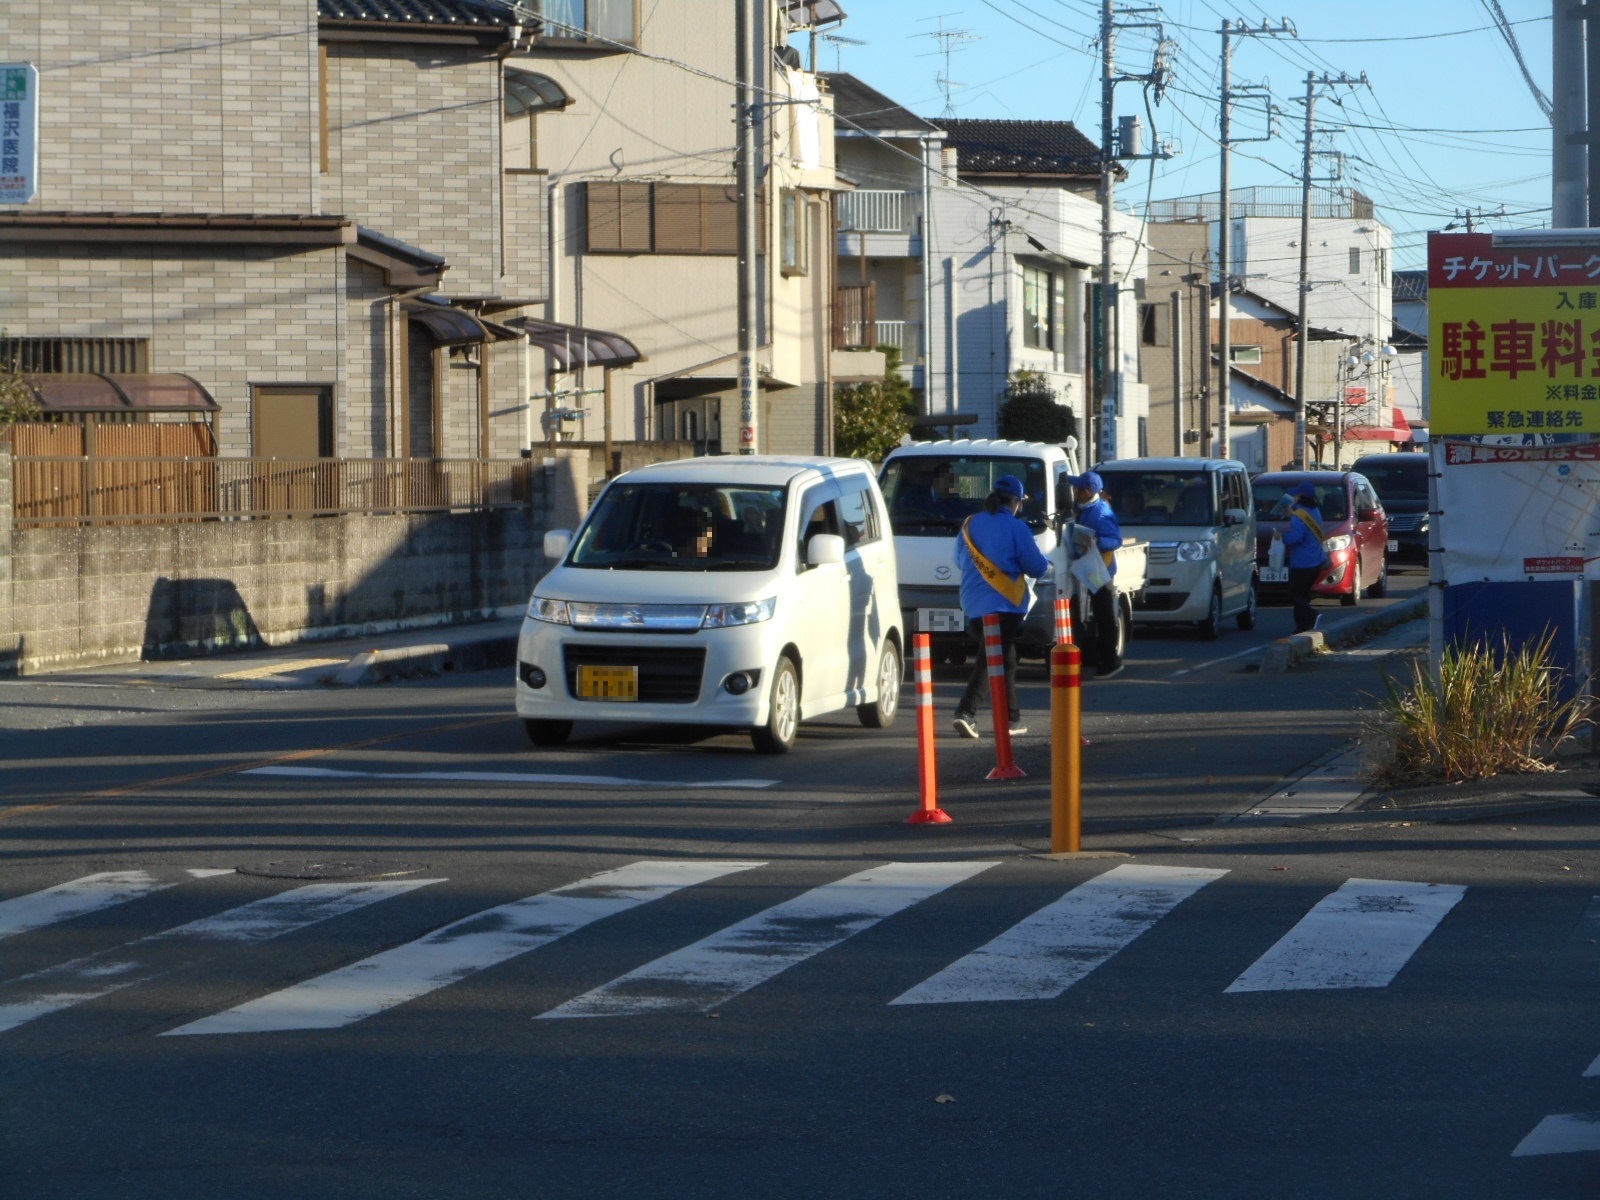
1235, 516
824, 548
1366, 514
556, 542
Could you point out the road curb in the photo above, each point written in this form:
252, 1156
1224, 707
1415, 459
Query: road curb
412, 662
1285, 652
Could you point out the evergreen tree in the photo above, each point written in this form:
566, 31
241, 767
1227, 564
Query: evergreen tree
1030, 413
870, 419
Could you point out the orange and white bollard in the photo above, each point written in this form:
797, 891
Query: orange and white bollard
1063, 620
999, 702
1066, 764
927, 772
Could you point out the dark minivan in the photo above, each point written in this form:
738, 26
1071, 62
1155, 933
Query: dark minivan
1401, 481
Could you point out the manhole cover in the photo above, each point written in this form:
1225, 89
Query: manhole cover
332, 868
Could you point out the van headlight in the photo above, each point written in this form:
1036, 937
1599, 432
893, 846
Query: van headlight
552, 612
1339, 541
751, 612
1194, 551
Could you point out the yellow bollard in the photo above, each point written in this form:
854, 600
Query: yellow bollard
1066, 750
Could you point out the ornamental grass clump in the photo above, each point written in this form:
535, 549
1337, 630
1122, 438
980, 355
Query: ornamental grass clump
1491, 711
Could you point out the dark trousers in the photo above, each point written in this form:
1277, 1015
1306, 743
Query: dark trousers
1301, 581
978, 684
1103, 608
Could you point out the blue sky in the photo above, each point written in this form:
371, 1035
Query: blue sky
1447, 124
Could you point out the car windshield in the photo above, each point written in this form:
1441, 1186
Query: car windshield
682, 527
1161, 497
1396, 480
1273, 501
931, 495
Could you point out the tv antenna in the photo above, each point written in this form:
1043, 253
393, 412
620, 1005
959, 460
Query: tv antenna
836, 40
948, 40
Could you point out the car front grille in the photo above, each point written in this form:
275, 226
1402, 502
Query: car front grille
666, 675
1406, 522
1159, 555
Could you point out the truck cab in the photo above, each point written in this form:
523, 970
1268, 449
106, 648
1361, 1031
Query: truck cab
931, 488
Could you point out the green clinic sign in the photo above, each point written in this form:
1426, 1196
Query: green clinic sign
19, 132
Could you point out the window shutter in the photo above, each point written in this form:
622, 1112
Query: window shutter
677, 211
618, 218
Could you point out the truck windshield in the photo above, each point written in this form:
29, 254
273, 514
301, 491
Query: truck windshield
1161, 497
1404, 480
682, 527
931, 495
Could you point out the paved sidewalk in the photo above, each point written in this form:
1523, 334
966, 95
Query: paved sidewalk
341, 662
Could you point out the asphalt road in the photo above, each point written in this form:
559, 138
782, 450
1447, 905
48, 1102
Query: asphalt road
269, 942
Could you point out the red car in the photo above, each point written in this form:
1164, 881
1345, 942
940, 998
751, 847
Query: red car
1354, 526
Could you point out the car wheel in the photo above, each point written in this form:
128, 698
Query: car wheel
548, 733
1211, 627
1247, 615
1124, 625
891, 675
1380, 588
783, 712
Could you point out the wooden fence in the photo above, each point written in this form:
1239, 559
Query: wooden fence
67, 490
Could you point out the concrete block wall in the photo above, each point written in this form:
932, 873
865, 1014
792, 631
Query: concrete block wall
72, 597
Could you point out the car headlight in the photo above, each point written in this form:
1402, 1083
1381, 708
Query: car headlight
748, 613
1195, 551
751, 612
553, 612
1339, 541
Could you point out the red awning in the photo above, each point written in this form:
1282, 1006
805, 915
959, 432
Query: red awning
1398, 430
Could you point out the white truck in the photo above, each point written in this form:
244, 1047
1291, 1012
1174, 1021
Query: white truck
932, 487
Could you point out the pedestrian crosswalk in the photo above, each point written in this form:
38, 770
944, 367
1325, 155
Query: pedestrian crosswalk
1360, 935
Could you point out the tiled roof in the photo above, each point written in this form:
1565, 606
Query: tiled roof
863, 107
1410, 285
418, 12
1022, 147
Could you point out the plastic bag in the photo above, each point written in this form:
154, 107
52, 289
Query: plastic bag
1275, 551
1091, 570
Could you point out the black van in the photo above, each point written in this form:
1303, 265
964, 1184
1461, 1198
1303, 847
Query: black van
1401, 481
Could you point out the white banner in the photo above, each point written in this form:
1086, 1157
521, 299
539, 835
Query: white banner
1517, 514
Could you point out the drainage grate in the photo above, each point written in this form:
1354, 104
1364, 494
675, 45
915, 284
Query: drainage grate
332, 868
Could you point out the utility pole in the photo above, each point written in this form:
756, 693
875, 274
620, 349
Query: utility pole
1313, 82
748, 35
1107, 398
1225, 215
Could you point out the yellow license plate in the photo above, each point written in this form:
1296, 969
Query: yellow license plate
608, 683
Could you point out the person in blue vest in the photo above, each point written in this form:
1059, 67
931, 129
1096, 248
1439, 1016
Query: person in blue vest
997, 555
1100, 533
1307, 556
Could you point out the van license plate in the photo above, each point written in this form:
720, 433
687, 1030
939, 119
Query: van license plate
941, 620
1274, 574
608, 683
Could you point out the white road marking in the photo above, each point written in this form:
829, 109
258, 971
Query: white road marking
1217, 661
1568, 1133
1044, 954
514, 777
58, 987
458, 950
1359, 937
736, 959
86, 895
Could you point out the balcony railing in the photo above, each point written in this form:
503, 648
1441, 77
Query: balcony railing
855, 317
876, 212
58, 490
905, 334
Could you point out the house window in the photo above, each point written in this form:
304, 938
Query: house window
76, 355
663, 218
1245, 355
1155, 325
1383, 267
1355, 260
586, 20
793, 235
1038, 327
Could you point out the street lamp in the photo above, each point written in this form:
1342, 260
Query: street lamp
1365, 355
